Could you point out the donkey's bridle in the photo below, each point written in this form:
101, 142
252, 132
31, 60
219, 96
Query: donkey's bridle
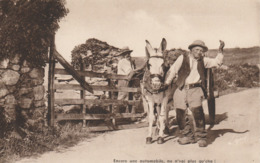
155, 75
148, 88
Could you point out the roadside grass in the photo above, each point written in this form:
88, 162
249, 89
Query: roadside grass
39, 141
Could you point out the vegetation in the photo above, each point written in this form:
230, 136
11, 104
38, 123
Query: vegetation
237, 76
93, 52
239, 56
42, 140
27, 27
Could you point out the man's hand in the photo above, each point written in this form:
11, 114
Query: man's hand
221, 46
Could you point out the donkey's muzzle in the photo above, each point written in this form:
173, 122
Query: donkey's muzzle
156, 83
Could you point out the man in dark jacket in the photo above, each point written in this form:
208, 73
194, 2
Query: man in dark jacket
191, 81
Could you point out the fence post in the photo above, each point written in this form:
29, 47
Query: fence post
111, 107
51, 114
83, 92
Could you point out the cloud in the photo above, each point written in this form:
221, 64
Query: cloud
143, 22
139, 26
178, 23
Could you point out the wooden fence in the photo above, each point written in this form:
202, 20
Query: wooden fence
109, 103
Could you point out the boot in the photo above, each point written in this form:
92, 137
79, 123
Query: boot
200, 132
184, 126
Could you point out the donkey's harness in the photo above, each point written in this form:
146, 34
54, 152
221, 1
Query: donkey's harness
146, 82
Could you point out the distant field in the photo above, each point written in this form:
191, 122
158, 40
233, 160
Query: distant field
233, 56
237, 56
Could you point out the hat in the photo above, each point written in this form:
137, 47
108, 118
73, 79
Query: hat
124, 51
199, 43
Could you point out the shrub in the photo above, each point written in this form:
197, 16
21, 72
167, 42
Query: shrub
94, 52
237, 76
27, 27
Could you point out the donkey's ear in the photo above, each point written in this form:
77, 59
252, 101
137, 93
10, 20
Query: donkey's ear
147, 53
163, 45
148, 49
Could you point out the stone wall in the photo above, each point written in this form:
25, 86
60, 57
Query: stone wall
22, 90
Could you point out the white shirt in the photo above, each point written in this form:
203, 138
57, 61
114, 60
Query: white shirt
124, 67
194, 76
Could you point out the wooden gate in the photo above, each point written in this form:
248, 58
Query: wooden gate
109, 103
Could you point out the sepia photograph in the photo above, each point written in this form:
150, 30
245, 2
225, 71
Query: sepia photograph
129, 81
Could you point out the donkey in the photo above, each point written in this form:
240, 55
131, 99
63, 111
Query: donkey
154, 94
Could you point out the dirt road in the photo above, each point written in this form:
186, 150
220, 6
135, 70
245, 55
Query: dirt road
235, 139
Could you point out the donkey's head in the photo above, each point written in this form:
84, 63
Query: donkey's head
155, 64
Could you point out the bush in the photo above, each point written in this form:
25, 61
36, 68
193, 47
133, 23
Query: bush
237, 76
91, 51
27, 27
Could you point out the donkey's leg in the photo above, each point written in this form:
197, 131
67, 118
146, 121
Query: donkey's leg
165, 109
158, 110
161, 114
151, 119
162, 120
145, 106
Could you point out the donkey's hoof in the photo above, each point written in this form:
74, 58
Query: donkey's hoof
149, 140
160, 140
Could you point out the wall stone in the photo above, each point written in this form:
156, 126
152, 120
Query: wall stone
15, 67
25, 69
21, 89
11, 88
10, 77
25, 103
39, 103
38, 92
24, 91
4, 63
37, 81
3, 90
37, 73
10, 100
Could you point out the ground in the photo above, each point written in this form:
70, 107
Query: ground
235, 139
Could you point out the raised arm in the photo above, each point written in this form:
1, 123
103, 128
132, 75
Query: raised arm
218, 60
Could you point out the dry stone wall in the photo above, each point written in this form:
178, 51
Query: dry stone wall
22, 90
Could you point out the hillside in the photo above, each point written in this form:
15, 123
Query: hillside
233, 56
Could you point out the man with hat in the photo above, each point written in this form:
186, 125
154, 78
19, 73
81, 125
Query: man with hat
191, 82
124, 67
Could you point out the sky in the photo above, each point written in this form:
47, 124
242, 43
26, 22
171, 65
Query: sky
123, 23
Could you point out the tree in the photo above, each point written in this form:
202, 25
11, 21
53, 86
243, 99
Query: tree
27, 26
